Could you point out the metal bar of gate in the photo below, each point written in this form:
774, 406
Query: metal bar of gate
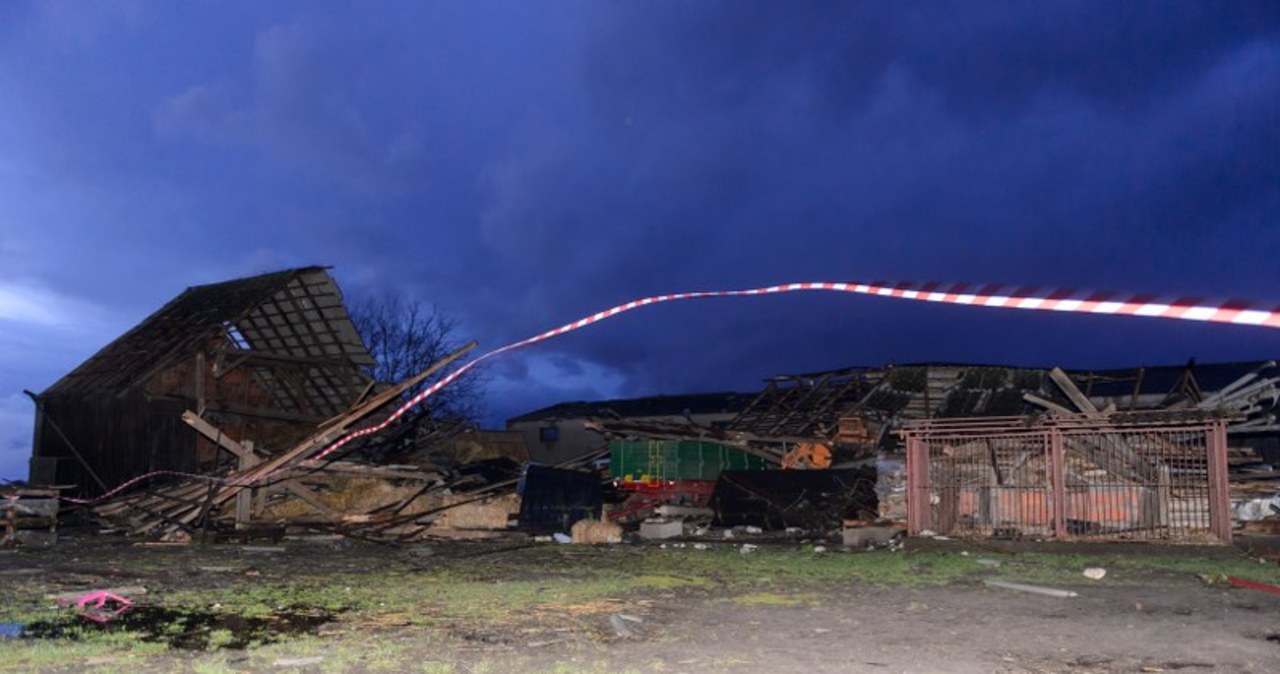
1219, 495
918, 481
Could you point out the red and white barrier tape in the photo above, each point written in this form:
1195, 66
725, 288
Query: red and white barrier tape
1186, 308
1006, 297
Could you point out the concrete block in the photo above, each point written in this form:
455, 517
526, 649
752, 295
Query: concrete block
657, 530
861, 537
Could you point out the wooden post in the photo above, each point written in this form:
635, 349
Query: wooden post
918, 506
244, 498
1163, 500
1219, 490
1058, 483
199, 383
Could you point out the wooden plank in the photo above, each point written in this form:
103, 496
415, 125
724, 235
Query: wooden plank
1047, 404
1137, 389
199, 382
309, 497
1068, 387
301, 361
215, 434
244, 498
263, 412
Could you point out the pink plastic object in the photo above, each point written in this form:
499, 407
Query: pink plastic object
94, 606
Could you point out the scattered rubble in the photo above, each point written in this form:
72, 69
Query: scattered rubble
28, 515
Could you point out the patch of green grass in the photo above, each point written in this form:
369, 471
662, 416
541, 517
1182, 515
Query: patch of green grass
775, 599
1124, 569
657, 582
31, 656
212, 664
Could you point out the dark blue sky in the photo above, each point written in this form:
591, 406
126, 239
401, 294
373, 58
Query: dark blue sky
521, 164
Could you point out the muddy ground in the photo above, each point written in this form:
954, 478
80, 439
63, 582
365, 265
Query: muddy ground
515, 606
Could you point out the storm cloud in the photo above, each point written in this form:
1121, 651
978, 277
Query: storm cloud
525, 164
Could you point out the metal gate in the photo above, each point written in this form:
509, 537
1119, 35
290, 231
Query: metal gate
1127, 477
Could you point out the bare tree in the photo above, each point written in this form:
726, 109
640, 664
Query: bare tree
405, 336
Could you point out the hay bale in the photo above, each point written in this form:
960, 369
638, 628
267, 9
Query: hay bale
350, 496
474, 516
594, 531
490, 514
509, 501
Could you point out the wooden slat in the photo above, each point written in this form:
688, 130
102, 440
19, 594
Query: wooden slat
1046, 403
309, 497
1079, 399
216, 435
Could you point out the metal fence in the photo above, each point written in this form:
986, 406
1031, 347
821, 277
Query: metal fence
1087, 478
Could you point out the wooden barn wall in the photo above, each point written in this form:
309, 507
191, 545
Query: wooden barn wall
121, 437
249, 387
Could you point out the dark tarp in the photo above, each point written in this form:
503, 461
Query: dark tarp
552, 499
809, 499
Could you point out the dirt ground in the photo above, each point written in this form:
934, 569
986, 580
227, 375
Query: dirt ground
779, 613
969, 629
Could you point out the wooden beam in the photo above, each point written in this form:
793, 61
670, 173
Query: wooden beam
1137, 388
1047, 404
1079, 399
290, 359
263, 412
244, 497
199, 382
218, 437
224, 367
242, 450
309, 497
368, 388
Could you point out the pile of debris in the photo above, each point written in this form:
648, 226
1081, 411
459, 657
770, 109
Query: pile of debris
853, 418
269, 496
28, 515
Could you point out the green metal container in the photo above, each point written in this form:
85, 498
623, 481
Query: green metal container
648, 460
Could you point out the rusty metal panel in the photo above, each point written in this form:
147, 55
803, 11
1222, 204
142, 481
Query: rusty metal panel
1220, 516
917, 486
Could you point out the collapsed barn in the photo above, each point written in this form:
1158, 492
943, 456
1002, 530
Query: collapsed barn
238, 381
231, 391
264, 359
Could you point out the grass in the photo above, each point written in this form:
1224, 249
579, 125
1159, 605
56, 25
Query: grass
776, 599
531, 593
32, 656
1122, 569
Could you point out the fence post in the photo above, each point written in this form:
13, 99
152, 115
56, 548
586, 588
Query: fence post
1219, 492
1058, 482
917, 485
